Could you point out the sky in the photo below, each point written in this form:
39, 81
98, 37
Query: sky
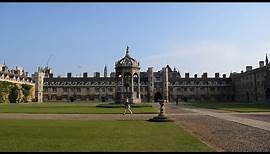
84, 37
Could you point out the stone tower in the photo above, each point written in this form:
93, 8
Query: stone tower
127, 79
39, 78
105, 71
266, 60
165, 84
150, 84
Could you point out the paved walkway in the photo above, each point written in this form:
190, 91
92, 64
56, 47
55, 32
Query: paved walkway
223, 130
230, 116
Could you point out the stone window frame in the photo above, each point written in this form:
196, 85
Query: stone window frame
54, 89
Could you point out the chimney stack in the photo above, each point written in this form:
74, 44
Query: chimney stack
216, 75
85, 75
248, 68
261, 63
224, 75
186, 75
204, 75
68, 75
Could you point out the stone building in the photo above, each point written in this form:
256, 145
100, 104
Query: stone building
129, 81
253, 85
17, 76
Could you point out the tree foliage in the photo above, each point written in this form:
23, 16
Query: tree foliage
4, 91
14, 93
26, 90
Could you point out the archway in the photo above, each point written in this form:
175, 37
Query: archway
127, 83
136, 84
72, 99
267, 93
247, 96
158, 96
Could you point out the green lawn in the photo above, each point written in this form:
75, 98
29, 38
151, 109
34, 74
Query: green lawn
72, 108
232, 106
60, 135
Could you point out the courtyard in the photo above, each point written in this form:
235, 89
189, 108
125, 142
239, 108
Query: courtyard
26, 127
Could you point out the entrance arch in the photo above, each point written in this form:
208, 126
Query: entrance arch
158, 96
247, 96
267, 93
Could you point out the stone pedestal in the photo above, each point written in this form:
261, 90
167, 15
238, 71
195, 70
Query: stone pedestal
161, 116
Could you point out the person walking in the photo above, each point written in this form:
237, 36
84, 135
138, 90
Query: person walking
127, 106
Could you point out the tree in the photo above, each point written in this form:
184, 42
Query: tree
14, 94
26, 90
4, 91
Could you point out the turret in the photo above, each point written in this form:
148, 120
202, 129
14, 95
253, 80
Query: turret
105, 71
150, 75
39, 78
266, 60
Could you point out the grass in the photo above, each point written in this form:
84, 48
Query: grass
69, 108
63, 135
233, 106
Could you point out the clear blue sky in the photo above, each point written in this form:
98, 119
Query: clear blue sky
83, 37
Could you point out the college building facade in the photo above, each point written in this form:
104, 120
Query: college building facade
252, 85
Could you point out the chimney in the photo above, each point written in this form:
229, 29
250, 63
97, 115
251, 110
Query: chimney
85, 75
216, 75
224, 75
261, 63
195, 76
97, 74
50, 75
248, 68
68, 75
204, 75
186, 75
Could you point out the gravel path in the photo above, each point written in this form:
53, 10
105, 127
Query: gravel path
222, 135
226, 135
173, 109
260, 117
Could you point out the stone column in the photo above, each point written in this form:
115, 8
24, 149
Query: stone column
122, 85
139, 88
165, 84
132, 89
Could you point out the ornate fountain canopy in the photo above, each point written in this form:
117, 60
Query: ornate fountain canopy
127, 61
